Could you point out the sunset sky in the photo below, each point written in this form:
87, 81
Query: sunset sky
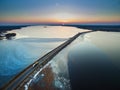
60, 11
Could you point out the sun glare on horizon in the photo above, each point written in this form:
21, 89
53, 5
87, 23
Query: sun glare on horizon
63, 17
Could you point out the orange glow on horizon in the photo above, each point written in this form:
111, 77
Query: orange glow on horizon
65, 20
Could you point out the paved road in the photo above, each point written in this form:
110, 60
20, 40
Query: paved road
24, 76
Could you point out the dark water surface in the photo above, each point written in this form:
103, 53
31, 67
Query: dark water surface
90, 68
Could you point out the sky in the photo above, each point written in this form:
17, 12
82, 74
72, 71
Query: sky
60, 11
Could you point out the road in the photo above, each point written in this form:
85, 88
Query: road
20, 80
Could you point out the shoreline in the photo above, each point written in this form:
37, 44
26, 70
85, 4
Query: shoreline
110, 28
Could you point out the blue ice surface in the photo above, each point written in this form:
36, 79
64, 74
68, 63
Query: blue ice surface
16, 55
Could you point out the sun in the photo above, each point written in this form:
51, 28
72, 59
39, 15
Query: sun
63, 17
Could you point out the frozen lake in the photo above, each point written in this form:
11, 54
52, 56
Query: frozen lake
94, 61
91, 60
30, 44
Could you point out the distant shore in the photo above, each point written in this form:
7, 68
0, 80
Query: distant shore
113, 28
8, 28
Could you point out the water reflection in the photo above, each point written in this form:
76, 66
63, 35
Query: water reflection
90, 68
